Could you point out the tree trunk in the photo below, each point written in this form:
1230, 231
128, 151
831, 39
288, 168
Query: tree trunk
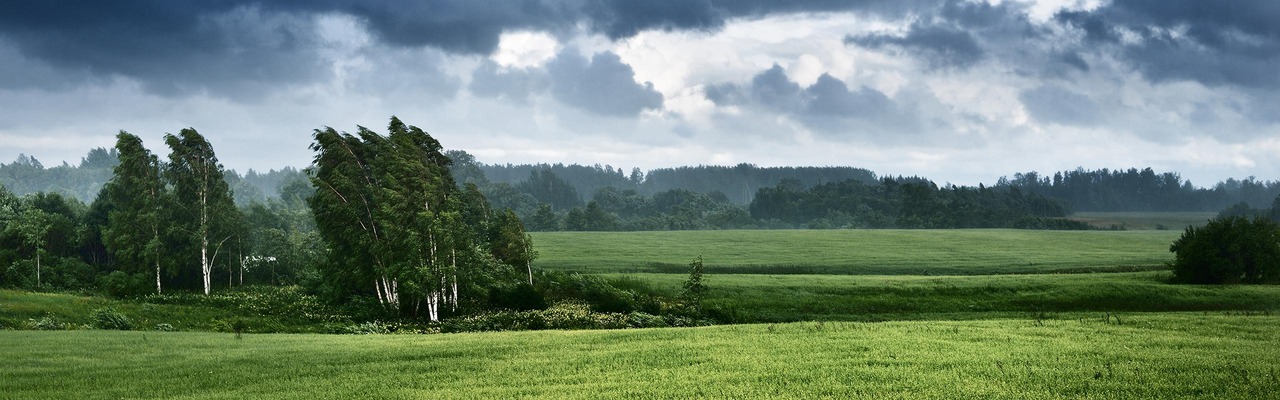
38, 282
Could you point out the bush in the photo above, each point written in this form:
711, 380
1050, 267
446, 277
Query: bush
109, 318
163, 327
1228, 250
521, 297
120, 284
47, 323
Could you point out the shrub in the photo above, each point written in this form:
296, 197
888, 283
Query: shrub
163, 327
46, 323
120, 284
109, 318
1228, 250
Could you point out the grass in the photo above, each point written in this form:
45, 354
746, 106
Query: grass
1088, 356
779, 298
17, 307
869, 252
1176, 221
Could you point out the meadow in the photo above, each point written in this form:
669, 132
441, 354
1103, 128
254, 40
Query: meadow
860, 251
864, 313
1159, 355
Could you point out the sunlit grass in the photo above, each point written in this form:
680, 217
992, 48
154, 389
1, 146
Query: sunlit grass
1080, 356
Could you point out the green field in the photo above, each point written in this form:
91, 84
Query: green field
1085, 356
863, 252
888, 314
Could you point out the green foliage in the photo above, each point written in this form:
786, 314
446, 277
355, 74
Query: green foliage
258, 300
1228, 250
598, 293
120, 284
394, 221
164, 327
47, 323
109, 318
693, 288
564, 315
547, 188
202, 196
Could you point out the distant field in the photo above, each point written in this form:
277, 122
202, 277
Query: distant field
782, 298
1144, 356
1144, 220
844, 252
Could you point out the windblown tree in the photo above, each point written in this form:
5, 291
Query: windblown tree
201, 196
136, 193
392, 216
511, 245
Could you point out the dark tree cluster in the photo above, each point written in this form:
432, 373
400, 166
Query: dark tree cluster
1140, 190
154, 225
907, 203
1228, 250
399, 229
740, 183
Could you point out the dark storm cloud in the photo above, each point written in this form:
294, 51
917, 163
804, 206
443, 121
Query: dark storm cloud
1212, 42
957, 33
230, 45
943, 46
1057, 105
169, 46
603, 85
828, 104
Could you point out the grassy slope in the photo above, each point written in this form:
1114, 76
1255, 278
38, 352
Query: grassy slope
853, 251
1148, 356
16, 307
776, 298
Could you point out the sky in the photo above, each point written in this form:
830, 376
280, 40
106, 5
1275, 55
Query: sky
958, 91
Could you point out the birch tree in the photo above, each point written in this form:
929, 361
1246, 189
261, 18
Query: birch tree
202, 197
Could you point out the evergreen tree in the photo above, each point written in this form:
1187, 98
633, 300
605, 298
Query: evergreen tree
135, 193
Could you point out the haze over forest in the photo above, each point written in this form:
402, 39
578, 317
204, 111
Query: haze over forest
953, 90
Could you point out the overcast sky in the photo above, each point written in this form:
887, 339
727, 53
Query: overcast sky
956, 91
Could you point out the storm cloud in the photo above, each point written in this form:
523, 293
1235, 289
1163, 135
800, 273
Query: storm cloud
524, 80
827, 105
1234, 43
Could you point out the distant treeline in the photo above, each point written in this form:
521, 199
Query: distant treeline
27, 175
738, 183
578, 197
1141, 190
